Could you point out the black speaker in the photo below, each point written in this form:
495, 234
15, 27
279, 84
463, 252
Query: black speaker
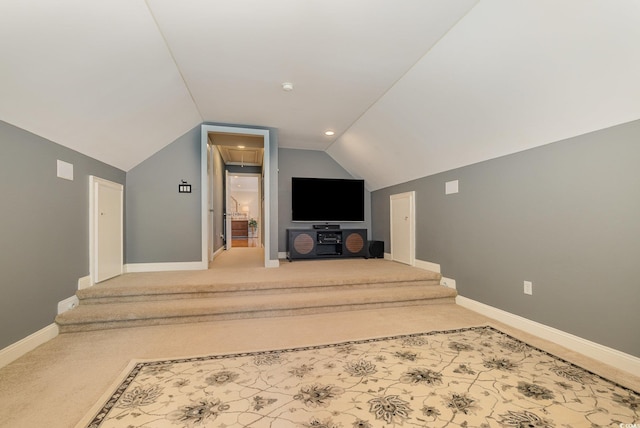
301, 244
354, 242
376, 249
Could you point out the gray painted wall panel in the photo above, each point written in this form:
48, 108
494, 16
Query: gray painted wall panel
274, 185
164, 226
309, 163
564, 216
44, 224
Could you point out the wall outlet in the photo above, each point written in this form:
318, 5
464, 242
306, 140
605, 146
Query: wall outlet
528, 288
68, 304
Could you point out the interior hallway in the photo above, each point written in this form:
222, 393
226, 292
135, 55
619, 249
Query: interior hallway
58, 383
239, 257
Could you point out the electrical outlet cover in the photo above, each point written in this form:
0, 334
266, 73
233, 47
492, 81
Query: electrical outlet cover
448, 282
67, 304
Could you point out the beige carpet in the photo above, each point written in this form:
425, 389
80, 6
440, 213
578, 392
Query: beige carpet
244, 266
58, 383
238, 287
251, 257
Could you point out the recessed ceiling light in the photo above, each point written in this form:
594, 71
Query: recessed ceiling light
241, 147
287, 86
329, 133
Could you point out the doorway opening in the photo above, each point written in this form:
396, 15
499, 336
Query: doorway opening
232, 152
244, 210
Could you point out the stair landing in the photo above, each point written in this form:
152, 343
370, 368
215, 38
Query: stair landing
302, 287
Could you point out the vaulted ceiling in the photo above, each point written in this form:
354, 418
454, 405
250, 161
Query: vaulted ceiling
410, 88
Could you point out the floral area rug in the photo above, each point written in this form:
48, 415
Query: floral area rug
472, 377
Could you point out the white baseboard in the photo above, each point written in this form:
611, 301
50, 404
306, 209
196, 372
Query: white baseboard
29, 343
448, 282
282, 255
272, 263
163, 267
433, 267
84, 282
68, 304
610, 356
218, 252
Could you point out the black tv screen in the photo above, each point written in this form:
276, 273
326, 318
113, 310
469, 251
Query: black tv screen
327, 199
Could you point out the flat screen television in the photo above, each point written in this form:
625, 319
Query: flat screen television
327, 199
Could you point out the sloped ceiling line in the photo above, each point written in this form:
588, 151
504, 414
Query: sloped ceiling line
410, 88
174, 59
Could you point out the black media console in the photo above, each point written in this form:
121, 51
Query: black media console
326, 243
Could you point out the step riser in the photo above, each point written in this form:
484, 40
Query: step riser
196, 294
148, 299
248, 313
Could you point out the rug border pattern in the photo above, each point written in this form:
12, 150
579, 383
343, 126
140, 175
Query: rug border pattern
138, 365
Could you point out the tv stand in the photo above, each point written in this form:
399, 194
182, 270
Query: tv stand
326, 243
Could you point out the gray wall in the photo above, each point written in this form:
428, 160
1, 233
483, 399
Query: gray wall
163, 225
309, 163
565, 216
44, 224
275, 197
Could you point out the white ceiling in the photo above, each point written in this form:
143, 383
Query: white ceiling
410, 87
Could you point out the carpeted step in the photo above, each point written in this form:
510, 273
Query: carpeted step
94, 295
158, 312
293, 277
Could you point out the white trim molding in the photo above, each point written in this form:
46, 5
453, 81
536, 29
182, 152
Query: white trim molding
68, 304
433, 267
448, 282
164, 267
29, 343
604, 354
84, 282
272, 263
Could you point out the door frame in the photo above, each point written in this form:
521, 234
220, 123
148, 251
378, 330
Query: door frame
411, 196
266, 183
94, 182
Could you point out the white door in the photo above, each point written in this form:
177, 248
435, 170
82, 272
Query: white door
106, 229
403, 228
